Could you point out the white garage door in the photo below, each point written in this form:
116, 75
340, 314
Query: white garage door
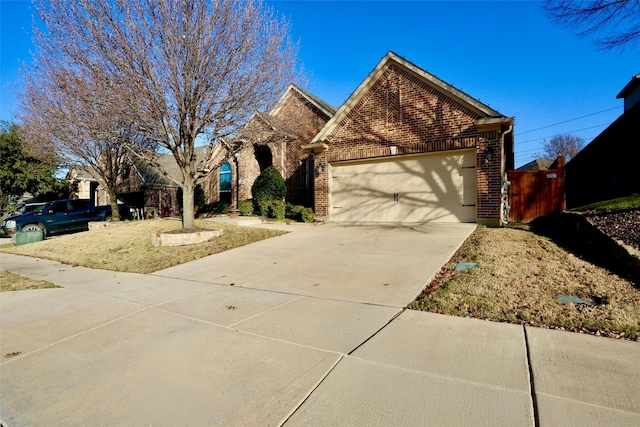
431, 187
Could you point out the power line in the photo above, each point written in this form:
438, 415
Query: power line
570, 120
526, 153
571, 131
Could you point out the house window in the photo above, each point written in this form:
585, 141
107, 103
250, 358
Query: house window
225, 182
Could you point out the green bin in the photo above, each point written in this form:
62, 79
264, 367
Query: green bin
24, 237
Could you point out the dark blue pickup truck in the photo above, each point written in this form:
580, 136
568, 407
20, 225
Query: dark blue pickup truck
61, 216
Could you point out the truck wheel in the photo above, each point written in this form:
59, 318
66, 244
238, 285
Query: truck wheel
34, 227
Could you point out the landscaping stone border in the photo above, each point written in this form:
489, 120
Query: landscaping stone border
97, 225
180, 239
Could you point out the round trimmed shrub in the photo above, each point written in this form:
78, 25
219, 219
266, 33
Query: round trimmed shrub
269, 185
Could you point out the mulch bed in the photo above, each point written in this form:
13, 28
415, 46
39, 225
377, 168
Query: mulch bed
621, 225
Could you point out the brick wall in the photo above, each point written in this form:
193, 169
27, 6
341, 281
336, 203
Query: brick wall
298, 121
305, 120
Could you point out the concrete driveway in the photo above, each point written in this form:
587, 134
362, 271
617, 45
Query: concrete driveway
376, 264
308, 328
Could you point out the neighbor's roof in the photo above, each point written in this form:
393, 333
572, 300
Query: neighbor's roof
385, 62
85, 173
151, 175
635, 81
327, 109
537, 164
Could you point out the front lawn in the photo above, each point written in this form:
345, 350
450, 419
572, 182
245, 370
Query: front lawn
127, 246
518, 278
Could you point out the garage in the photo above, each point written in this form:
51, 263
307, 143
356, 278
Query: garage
439, 187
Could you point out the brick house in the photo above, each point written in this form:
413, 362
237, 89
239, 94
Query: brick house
140, 185
607, 167
404, 147
270, 139
408, 147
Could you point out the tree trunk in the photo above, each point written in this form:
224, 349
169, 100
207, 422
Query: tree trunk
188, 216
115, 213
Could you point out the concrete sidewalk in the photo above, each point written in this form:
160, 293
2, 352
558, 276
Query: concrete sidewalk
297, 340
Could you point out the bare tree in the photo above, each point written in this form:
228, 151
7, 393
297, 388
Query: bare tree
177, 71
63, 115
617, 21
561, 145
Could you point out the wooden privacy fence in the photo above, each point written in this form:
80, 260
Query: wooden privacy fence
536, 193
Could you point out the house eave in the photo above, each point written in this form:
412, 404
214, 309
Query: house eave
635, 81
486, 123
316, 147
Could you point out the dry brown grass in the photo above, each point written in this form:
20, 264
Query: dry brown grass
14, 282
127, 246
518, 278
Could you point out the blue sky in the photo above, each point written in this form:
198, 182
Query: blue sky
507, 54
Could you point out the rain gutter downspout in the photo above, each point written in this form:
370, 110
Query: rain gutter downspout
504, 199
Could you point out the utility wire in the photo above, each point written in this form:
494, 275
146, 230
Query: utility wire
571, 131
570, 120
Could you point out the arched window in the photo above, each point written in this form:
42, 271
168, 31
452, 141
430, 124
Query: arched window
225, 182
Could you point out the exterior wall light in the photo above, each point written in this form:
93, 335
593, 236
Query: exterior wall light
319, 168
489, 154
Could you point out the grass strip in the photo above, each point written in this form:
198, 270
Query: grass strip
12, 282
518, 278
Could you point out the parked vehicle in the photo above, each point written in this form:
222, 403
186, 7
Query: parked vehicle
60, 216
30, 207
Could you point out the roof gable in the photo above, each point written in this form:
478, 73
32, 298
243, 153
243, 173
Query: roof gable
325, 108
377, 73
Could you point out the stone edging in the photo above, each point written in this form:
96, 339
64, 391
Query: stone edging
180, 239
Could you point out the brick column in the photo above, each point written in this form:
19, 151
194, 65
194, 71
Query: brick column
489, 177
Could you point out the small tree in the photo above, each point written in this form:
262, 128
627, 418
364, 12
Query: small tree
269, 185
561, 145
21, 172
63, 113
618, 21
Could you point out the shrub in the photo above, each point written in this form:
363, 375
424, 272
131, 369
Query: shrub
277, 209
301, 213
263, 207
307, 215
215, 207
245, 207
269, 185
294, 212
287, 209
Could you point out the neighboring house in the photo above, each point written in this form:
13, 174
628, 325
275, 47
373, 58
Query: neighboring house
88, 184
141, 186
537, 165
273, 139
607, 167
408, 147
